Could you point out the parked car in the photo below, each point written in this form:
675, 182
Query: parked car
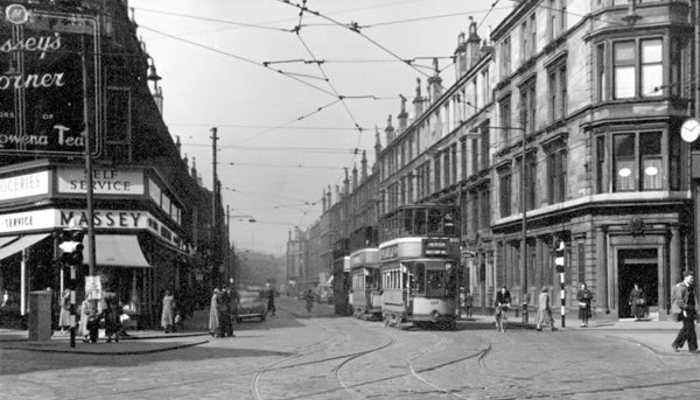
251, 305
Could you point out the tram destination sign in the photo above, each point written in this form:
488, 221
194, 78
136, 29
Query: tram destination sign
44, 82
436, 247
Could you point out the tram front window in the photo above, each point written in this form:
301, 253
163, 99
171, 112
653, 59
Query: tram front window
420, 279
436, 283
434, 222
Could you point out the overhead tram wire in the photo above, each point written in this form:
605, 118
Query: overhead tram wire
294, 166
319, 150
244, 59
217, 20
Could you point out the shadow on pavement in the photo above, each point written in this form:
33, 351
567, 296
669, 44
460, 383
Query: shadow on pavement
19, 361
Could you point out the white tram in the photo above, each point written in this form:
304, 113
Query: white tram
419, 267
366, 296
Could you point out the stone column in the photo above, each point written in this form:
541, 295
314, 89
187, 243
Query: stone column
601, 269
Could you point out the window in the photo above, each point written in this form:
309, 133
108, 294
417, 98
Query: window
557, 91
652, 68
601, 85
524, 38
437, 173
505, 57
463, 164
553, 28
505, 119
556, 176
475, 155
504, 195
485, 139
533, 35
453, 150
650, 74
485, 87
484, 208
601, 175
528, 105
447, 168
530, 182
638, 161
625, 79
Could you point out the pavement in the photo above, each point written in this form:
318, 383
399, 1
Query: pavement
653, 334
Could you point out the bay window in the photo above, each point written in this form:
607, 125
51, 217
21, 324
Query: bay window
638, 161
638, 69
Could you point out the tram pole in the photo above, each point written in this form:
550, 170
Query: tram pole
559, 262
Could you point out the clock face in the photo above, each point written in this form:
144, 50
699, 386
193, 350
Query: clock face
690, 130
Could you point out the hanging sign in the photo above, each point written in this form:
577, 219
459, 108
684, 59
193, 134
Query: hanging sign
44, 81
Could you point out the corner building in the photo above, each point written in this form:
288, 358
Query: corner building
69, 67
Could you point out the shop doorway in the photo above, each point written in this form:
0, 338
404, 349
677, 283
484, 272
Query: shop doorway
639, 266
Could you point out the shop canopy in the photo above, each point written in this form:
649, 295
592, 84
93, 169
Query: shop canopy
10, 247
117, 251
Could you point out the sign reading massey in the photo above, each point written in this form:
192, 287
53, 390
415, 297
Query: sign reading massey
41, 82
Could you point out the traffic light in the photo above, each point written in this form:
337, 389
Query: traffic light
560, 256
72, 246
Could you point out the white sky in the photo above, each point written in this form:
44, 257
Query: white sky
207, 84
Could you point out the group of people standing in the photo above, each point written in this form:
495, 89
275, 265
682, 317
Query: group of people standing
223, 311
107, 309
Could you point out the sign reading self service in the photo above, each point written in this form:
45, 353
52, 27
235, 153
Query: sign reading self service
104, 181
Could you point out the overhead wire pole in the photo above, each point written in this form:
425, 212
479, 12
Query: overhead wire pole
214, 186
88, 164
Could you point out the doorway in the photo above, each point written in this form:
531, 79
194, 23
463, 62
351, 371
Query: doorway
639, 266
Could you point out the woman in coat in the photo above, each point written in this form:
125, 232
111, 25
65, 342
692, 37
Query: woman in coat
112, 313
213, 314
64, 315
584, 297
638, 302
544, 310
89, 321
167, 317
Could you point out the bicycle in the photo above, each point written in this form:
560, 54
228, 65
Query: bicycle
501, 317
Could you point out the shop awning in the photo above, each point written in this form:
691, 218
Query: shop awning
22, 243
6, 240
117, 251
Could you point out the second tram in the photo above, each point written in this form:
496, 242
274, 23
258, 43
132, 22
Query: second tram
365, 294
419, 266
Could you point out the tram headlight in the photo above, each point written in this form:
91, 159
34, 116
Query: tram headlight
448, 266
435, 315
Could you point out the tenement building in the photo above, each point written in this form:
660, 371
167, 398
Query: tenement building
562, 126
75, 81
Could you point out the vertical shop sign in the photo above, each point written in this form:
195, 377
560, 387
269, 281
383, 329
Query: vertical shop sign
41, 83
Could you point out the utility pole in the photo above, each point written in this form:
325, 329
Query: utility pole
214, 187
88, 166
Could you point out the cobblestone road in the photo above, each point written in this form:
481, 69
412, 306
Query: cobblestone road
317, 356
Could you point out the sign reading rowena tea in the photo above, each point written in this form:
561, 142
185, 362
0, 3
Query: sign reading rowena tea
41, 83
104, 181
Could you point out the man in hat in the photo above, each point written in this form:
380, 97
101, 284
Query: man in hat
685, 306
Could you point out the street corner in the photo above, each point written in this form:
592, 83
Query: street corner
122, 348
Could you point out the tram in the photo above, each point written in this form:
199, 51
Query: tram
419, 259
365, 294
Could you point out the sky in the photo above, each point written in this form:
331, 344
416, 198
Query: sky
291, 107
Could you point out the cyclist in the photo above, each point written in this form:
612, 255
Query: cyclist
502, 306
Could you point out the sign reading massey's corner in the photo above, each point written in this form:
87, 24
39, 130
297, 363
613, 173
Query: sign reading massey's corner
42, 86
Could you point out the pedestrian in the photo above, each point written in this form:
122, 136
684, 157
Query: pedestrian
468, 303
167, 316
584, 298
213, 314
270, 294
64, 315
638, 302
112, 312
544, 310
309, 297
89, 320
502, 305
223, 307
684, 305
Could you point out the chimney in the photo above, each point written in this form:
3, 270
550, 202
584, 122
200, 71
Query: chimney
158, 97
460, 55
418, 101
473, 44
377, 149
323, 209
403, 115
346, 183
389, 131
354, 177
337, 192
364, 166
187, 163
328, 195
193, 171
435, 82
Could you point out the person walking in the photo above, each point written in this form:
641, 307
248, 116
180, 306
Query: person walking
544, 310
502, 305
309, 297
167, 316
214, 314
64, 315
638, 302
89, 320
112, 316
584, 297
684, 306
223, 307
270, 294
